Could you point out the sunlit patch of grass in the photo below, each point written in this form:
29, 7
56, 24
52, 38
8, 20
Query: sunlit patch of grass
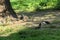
7, 30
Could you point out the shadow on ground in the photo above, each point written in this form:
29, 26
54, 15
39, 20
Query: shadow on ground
38, 16
43, 15
34, 34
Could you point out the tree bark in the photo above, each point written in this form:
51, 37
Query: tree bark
6, 9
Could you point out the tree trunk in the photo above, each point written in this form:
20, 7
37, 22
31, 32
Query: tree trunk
6, 9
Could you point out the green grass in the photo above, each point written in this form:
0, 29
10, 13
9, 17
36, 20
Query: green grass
23, 33
32, 5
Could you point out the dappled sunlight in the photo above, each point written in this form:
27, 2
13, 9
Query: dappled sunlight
32, 20
48, 17
7, 30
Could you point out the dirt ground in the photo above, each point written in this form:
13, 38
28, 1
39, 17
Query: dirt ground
36, 18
